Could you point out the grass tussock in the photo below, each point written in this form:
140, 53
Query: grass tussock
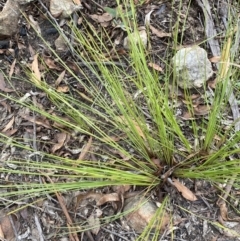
128, 100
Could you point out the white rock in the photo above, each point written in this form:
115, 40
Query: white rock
140, 217
192, 67
63, 8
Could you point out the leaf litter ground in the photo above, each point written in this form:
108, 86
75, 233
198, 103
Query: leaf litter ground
44, 216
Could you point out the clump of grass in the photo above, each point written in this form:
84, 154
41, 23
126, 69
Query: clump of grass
133, 104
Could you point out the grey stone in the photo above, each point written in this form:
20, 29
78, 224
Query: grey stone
9, 17
141, 212
192, 67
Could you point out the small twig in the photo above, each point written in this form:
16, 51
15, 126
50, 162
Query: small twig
91, 63
97, 4
72, 232
89, 235
116, 234
39, 228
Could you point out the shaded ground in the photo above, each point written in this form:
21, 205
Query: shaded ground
44, 219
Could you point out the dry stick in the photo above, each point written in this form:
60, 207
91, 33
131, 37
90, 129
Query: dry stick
72, 235
214, 45
39, 228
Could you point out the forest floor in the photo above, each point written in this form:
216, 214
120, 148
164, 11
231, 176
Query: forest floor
43, 218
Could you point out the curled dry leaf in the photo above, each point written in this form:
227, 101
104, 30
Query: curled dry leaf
215, 59
10, 132
105, 17
78, 2
110, 197
187, 116
35, 69
3, 84
60, 78
37, 120
34, 24
121, 188
12, 69
9, 125
100, 198
212, 83
148, 18
159, 33
223, 210
1, 233
85, 149
63, 89
61, 44
155, 66
188, 194
121, 119
50, 63
61, 137
6, 229
201, 110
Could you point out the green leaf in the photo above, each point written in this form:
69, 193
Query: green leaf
111, 11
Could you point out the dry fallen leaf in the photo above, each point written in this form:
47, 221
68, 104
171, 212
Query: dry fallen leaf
9, 125
35, 69
1, 233
215, 59
188, 194
201, 110
12, 69
159, 33
100, 198
121, 188
61, 137
85, 149
77, 2
61, 44
155, 66
105, 17
110, 197
3, 84
121, 119
63, 89
37, 120
6, 229
187, 116
223, 210
60, 78
50, 63
34, 24
212, 83
10, 132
